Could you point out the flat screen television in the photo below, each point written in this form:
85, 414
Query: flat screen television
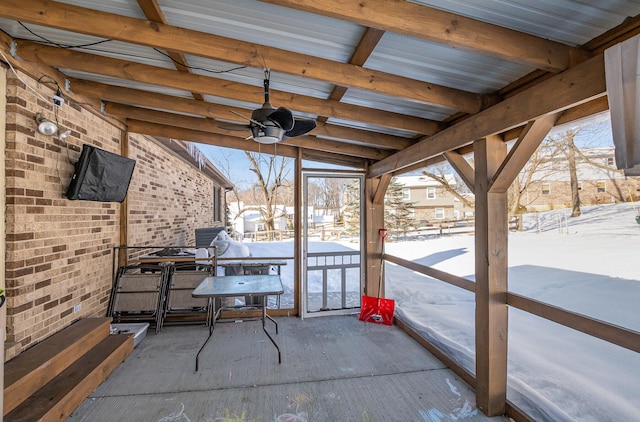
100, 176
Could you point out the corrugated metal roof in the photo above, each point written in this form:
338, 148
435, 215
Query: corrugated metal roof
442, 65
568, 21
266, 24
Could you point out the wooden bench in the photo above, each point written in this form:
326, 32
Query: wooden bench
49, 380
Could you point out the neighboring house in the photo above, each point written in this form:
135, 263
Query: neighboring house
431, 201
597, 184
252, 221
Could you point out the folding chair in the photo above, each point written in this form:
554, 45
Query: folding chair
138, 296
180, 302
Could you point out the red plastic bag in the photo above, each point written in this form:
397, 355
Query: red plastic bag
377, 310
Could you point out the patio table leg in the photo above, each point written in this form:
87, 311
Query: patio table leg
212, 315
264, 317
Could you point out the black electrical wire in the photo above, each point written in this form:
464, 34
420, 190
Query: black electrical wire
85, 46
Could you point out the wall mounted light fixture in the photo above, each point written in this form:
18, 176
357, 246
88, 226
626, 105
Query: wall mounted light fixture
49, 128
46, 126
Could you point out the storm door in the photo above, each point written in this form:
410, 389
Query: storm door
332, 281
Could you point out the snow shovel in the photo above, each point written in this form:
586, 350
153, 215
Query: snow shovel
376, 309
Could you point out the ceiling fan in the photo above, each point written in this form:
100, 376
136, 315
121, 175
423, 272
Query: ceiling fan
269, 125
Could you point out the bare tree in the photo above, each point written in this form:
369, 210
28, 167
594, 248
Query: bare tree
457, 189
270, 178
564, 143
327, 193
539, 167
270, 188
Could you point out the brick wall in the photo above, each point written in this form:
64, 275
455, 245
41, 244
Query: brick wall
59, 252
171, 199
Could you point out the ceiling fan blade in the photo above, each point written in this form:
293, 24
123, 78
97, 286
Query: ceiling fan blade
301, 127
282, 117
247, 118
234, 126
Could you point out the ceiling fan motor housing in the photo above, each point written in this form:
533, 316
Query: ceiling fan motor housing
270, 133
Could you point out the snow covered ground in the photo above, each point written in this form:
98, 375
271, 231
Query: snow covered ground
587, 265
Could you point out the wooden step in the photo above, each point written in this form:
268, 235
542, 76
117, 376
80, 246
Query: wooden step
59, 398
35, 367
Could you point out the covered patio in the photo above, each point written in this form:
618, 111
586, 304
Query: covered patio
393, 86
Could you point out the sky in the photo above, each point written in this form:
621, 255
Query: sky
586, 265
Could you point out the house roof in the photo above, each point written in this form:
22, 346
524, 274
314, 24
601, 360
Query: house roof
391, 83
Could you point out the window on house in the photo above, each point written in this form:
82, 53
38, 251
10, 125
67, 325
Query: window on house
610, 162
579, 185
431, 193
439, 212
406, 193
217, 212
601, 186
546, 188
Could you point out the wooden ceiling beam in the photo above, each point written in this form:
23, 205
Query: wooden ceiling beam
419, 21
165, 102
122, 69
367, 44
210, 126
366, 137
153, 12
171, 38
574, 86
326, 145
202, 137
190, 135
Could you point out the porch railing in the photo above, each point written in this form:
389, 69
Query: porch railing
610, 333
326, 261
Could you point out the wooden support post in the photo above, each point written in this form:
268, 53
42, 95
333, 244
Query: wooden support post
124, 207
491, 280
374, 190
297, 232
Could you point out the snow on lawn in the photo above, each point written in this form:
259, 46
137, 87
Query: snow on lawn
588, 265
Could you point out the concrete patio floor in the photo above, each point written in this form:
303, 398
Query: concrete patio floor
333, 369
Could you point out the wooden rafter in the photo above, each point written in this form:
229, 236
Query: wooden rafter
365, 47
138, 72
152, 34
208, 138
112, 93
447, 28
154, 13
207, 125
